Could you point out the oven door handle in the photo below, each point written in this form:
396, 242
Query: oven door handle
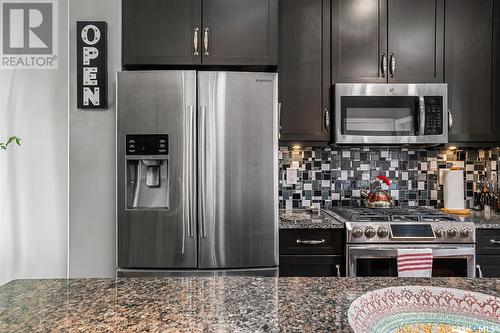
361, 252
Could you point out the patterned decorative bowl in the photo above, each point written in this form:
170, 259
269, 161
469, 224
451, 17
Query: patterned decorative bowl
424, 309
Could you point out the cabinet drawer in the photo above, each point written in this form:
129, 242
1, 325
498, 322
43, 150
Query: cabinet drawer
311, 241
488, 241
312, 266
490, 265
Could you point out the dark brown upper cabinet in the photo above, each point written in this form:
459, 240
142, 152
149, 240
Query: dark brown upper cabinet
359, 41
415, 40
161, 32
472, 69
240, 32
178, 32
304, 71
495, 112
378, 41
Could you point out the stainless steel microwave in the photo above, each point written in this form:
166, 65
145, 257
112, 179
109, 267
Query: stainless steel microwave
391, 113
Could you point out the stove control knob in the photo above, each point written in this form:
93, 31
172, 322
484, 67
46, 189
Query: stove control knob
465, 232
382, 232
370, 232
357, 232
440, 232
453, 232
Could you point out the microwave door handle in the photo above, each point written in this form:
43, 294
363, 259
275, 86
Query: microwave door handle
421, 130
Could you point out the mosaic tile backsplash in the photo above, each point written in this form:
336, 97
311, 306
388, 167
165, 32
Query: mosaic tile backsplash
326, 177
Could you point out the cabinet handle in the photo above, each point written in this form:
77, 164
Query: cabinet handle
205, 42
392, 69
450, 119
196, 41
279, 121
479, 271
327, 119
311, 242
383, 63
338, 270
494, 241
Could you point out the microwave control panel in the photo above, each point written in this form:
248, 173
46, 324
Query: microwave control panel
147, 144
433, 115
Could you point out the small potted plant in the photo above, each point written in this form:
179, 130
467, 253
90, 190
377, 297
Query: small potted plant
10, 140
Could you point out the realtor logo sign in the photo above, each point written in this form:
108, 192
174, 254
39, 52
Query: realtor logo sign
28, 34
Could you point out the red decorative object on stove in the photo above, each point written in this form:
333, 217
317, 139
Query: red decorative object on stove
386, 180
378, 198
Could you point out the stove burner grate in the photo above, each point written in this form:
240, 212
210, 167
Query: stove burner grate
393, 214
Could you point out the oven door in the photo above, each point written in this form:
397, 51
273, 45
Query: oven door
381, 260
388, 114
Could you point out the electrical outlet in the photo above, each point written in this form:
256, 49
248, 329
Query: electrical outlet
291, 176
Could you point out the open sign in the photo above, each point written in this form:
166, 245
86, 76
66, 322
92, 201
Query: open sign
91, 64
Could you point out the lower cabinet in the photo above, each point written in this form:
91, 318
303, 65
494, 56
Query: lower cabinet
312, 252
488, 251
308, 265
490, 265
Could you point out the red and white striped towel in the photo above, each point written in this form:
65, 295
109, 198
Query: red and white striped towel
414, 262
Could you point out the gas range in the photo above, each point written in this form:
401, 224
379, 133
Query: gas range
403, 225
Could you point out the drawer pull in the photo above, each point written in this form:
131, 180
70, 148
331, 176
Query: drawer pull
493, 241
311, 242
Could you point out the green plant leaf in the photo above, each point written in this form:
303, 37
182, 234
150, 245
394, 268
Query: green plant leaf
11, 139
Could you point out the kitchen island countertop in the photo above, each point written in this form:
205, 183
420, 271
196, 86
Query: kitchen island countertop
196, 304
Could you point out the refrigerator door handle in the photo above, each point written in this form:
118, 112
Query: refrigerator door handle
192, 168
202, 174
189, 190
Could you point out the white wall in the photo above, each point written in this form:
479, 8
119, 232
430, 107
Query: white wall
34, 178
92, 155
57, 192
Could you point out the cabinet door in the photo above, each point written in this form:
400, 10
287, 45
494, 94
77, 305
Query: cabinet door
490, 265
161, 32
240, 32
304, 70
468, 49
313, 266
359, 41
495, 116
416, 38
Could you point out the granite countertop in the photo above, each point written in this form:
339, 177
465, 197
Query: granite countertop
306, 220
484, 221
303, 219
196, 304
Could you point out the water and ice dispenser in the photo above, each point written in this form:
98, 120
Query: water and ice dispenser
147, 172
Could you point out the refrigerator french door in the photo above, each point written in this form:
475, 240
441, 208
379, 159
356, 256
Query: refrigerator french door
198, 188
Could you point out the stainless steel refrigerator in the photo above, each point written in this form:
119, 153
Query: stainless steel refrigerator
197, 170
